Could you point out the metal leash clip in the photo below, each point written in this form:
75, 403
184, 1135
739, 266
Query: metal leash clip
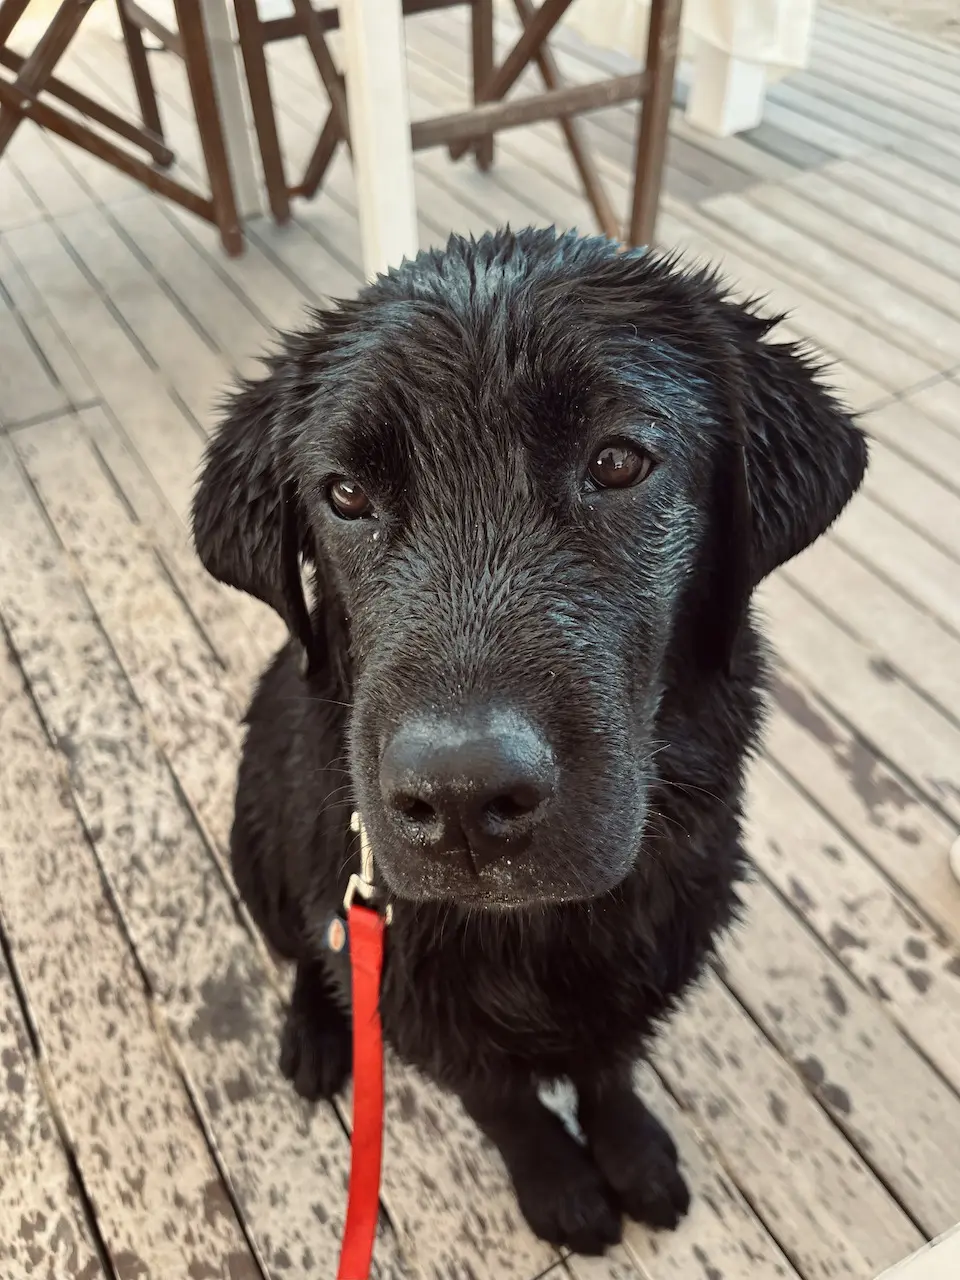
362, 884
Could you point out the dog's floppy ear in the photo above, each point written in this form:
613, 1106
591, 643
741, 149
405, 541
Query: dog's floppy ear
248, 526
805, 455
792, 460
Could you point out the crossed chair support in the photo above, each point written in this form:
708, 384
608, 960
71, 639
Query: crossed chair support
35, 92
473, 129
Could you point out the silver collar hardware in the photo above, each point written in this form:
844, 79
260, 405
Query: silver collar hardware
361, 885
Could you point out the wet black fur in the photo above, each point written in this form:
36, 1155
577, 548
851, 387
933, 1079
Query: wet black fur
465, 392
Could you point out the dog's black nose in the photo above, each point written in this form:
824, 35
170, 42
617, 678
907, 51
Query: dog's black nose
481, 782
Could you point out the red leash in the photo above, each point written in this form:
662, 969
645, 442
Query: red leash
366, 929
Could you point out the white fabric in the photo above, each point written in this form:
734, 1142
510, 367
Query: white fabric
774, 32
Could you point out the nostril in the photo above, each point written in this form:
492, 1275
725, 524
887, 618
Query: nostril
415, 809
512, 806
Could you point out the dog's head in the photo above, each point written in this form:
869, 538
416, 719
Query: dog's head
536, 480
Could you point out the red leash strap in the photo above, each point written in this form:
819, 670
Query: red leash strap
366, 932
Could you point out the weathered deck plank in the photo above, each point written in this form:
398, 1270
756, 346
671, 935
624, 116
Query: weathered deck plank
902, 234
853, 909
194, 712
921, 571
915, 180
59, 360
864, 118
17, 205
914, 735
836, 223
941, 402
896, 198
135, 392
917, 498
208, 981
916, 644
870, 803
844, 207
179, 349
147, 1170
912, 322
28, 386
851, 1055
721, 1234
906, 429
881, 43
44, 1230
866, 366
829, 1212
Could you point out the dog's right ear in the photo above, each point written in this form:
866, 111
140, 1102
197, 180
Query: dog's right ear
248, 527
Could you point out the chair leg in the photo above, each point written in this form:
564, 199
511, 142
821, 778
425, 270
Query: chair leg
196, 58
596, 193
662, 44
481, 12
546, 17
140, 71
41, 64
333, 81
323, 153
261, 104
11, 11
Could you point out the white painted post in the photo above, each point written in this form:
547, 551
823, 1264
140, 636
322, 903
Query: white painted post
375, 66
727, 93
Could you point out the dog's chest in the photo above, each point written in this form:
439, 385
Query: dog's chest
465, 1004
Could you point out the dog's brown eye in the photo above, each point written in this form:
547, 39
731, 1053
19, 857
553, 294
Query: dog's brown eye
349, 500
618, 466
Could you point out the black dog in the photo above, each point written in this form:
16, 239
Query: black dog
535, 481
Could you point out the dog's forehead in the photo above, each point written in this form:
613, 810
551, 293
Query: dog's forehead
485, 351
477, 376
486, 384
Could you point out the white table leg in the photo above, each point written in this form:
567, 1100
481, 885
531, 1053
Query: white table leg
237, 131
727, 94
376, 72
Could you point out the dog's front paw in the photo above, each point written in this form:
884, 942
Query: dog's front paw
639, 1160
316, 1053
567, 1203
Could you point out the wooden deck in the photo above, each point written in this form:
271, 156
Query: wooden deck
813, 1082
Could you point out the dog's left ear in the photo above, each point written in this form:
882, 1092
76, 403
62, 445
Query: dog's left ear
805, 457
790, 463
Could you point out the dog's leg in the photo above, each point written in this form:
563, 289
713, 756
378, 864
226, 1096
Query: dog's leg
558, 1187
315, 1046
633, 1150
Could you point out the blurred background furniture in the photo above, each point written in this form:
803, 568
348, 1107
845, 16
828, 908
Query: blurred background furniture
163, 22
374, 92
736, 49
29, 89
472, 129
362, 104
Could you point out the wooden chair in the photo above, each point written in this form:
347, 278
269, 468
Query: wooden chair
474, 129
24, 97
